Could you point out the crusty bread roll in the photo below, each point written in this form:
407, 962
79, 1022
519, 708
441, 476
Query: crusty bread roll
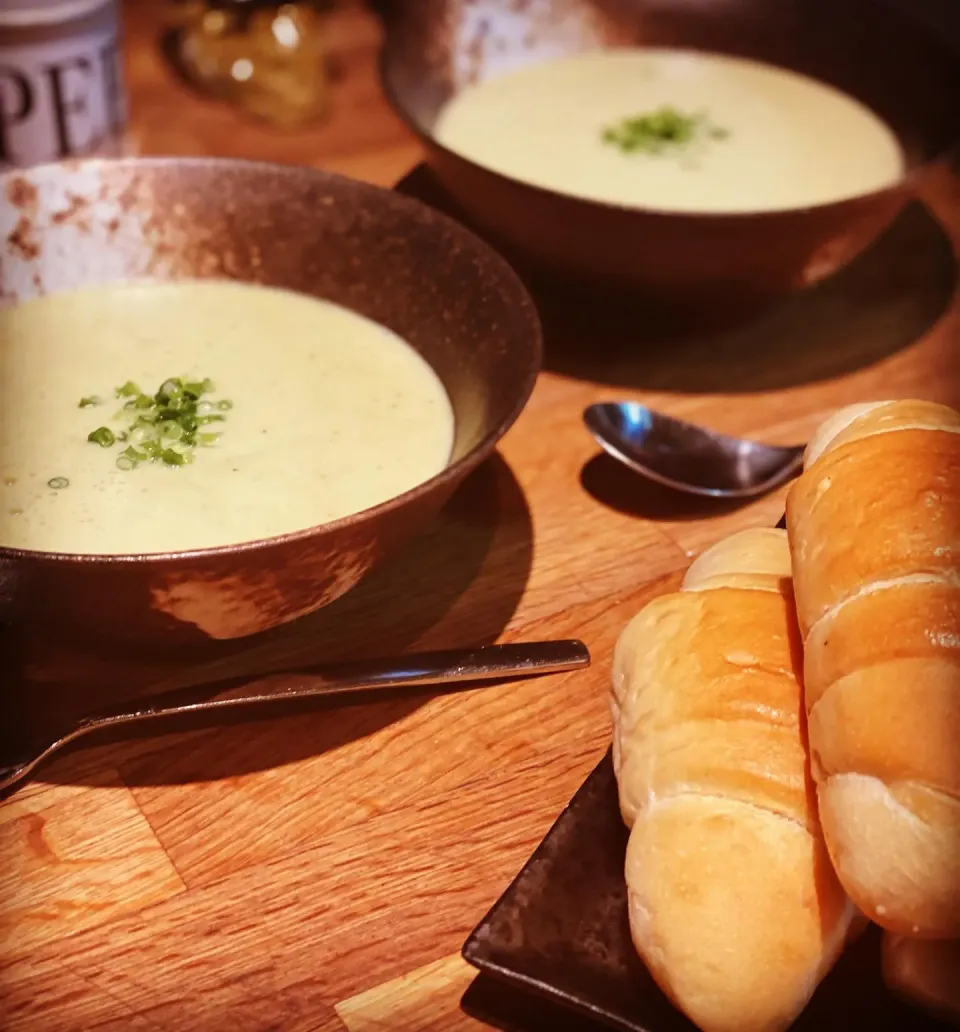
874, 525
733, 904
925, 972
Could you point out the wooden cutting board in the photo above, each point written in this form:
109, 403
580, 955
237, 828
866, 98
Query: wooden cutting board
320, 872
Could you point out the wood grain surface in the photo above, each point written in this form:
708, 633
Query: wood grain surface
320, 871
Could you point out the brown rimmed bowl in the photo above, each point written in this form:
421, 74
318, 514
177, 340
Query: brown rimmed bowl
868, 48
383, 255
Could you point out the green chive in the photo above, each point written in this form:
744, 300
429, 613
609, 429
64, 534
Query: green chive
90, 402
162, 427
659, 131
58, 483
134, 454
103, 436
171, 430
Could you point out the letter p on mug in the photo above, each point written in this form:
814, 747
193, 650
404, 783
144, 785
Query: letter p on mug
61, 83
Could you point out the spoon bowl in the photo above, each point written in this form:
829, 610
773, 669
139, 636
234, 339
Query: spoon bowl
687, 457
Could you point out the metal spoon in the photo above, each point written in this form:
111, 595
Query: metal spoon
460, 667
688, 457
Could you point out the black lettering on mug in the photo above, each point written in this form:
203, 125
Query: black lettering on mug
110, 68
15, 110
68, 100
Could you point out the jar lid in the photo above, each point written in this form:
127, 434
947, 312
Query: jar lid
22, 13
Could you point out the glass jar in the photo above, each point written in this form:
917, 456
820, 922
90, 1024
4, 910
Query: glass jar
61, 81
265, 56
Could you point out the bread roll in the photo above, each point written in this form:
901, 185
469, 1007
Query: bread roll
874, 525
733, 904
925, 972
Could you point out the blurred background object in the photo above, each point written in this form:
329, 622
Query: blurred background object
61, 86
266, 56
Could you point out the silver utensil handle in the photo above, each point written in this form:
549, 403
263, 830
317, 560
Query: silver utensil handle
454, 666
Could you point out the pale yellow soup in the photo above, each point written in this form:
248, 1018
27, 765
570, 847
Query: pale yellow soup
785, 141
331, 414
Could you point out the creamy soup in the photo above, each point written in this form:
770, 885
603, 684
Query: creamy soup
673, 130
320, 413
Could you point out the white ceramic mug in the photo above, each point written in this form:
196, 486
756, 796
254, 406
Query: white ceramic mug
61, 82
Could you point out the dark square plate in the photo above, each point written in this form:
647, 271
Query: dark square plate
560, 933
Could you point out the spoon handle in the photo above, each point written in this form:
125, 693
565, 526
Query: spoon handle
417, 670
451, 667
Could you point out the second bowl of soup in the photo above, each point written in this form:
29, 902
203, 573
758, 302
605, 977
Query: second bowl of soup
710, 153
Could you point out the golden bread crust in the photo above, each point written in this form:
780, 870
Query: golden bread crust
710, 690
853, 522
897, 848
740, 915
733, 904
862, 420
874, 527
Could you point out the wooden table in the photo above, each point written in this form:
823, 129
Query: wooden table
320, 872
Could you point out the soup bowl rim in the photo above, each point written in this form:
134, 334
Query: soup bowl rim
452, 473
905, 181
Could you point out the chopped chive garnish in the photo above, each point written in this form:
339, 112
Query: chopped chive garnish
665, 130
162, 427
58, 483
103, 436
171, 430
90, 402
